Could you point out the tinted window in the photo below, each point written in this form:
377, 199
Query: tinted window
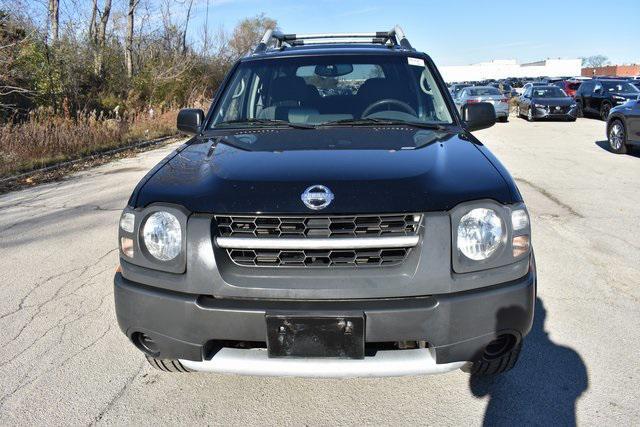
548, 92
613, 87
586, 87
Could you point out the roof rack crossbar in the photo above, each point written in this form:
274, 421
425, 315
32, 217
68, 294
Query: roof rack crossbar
395, 37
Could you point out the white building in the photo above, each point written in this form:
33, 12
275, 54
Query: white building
502, 68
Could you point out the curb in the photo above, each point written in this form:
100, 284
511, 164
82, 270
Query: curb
85, 158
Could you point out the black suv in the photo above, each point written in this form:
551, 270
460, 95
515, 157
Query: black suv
599, 96
332, 216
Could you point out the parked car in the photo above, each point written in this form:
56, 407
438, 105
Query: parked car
455, 89
546, 102
504, 88
490, 94
599, 96
623, 126
531, 84
333, 234
569, 86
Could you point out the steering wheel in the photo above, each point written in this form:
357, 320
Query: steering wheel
406, 107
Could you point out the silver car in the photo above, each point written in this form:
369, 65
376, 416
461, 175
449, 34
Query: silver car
488, 94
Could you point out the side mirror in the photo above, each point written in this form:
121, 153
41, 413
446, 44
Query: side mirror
190, 120
480, 115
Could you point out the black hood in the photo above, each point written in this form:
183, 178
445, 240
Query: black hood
369, 170
553, 102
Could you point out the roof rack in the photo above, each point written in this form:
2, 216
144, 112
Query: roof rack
395, 37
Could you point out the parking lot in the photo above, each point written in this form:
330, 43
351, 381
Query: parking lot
63, 359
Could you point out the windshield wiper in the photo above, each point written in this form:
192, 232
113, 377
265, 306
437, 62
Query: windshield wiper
252, 121
374, 121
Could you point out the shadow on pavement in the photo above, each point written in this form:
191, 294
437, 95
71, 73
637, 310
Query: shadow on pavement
542, 389
631, 151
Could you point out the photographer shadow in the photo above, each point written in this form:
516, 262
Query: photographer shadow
541, 389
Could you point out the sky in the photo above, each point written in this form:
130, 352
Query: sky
458, 32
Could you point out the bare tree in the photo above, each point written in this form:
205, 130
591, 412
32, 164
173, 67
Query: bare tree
92, 23
595, 61
128, 50
54, 20
101, 37
248, 32
186, 26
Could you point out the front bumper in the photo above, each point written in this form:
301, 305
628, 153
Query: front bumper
456, 326
550, 113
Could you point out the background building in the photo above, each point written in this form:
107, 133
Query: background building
502, 68
613, 70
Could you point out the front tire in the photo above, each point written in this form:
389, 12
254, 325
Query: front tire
617, 137
604, 111
490, 365
166, 365
530, 115
579, 111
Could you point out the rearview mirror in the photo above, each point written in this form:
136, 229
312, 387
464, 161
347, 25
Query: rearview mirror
190, 120
480, 115
333, 70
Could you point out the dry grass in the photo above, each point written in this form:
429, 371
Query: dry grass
47, 139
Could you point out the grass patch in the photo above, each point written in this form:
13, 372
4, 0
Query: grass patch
44, 140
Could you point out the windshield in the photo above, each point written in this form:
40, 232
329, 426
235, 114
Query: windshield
619, 87
483, 91
311, 91
548, 92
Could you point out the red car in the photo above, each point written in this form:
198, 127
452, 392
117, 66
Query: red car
569, 86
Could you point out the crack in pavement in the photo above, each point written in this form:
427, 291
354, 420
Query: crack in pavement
22, 385
551, 197
119, 394
39, 306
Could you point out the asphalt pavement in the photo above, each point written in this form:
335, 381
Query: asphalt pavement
63, 359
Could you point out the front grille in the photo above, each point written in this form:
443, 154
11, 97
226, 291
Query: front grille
260, 238
318, 226
370, 257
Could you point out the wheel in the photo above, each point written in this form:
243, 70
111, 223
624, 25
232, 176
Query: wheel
604, 111
494, 360
530, 115
579, 112
166, 365
617, 137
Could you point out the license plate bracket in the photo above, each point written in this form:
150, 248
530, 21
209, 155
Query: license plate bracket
315, 336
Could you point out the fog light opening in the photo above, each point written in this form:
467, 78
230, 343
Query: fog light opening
145, 344
499, 347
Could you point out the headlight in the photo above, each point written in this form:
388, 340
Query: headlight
162, 236
619, 98
480, 233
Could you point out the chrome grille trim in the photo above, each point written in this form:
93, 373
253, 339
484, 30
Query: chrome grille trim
318, 226
326, 243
